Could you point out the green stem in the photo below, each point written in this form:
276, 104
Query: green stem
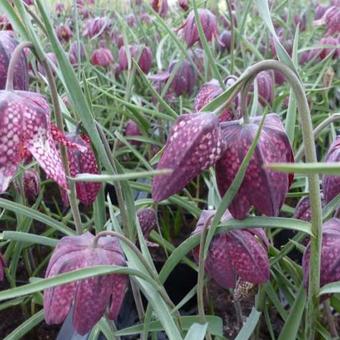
232, 31
313, 180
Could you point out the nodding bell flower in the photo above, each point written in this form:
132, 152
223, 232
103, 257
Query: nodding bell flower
142, 54
262, 188
147, 220
330, 254
59, 8
331, 184
189, 30
131, 20
64, 32
52, 59
235, 255
184, 4
265, 85
31, 184
25, 130
161, 7
2, 267
333, 51
206, 94
80, 162
102, 57
91, 297
331, 19
8, 43
193, 145
132, 130
96, 26
224, 41
76, 53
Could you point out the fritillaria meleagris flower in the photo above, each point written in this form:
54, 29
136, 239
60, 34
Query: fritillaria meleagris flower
77, 51
184, 4
59, 8
64, 32
132, 130
331, 184
262, 188
80, 162
2, 267
25, 130
142, 54
161, 7
333, 51
147, 219
52, 58
102, 57
90, 298
189, 29
5, 24
331, 19
31, 180
131, 20
193, 145
8, 43
330, 254
224, 41
240, 254
265, 86
206, 94
96, 26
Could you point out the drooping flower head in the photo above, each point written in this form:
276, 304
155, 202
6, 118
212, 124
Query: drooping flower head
102, 57
91, 297
224, 41
64, 32
8, 43
331, 184
82, 162
96, 26
76, 53
147, 219
184, 4
193, 145
262, 188
330, 254
239, 254
189, 30
161, 7
265, 85
142, 54
132, 130
25, 129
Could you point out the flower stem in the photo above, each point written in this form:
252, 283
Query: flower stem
232, 31
313, 180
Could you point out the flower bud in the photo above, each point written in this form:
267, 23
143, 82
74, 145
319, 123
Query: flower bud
148, 220
76, 53
102, 57
132, 130
161, 7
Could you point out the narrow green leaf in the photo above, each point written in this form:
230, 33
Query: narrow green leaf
249, 326
306, 168
196, 332
29, 238
330, 288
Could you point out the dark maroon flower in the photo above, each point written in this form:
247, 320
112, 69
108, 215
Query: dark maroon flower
7, 46
31, 185
25, 130
2, 267
96, 26
184, 4
90, 297
240, 254
303, 209
5, 24
330, 254
142, 54
224, 41
77, 51
262, 188
64, 32
102, 57
193, 145
161, 7
132, 130
189, 29
82, 162
206, 94
265, 86
147, 220
331, 184
59, 8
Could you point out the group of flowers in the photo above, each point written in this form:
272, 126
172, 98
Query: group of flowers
196, 142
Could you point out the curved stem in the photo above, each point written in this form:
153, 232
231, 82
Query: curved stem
316, 132
17, 53
313, 179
